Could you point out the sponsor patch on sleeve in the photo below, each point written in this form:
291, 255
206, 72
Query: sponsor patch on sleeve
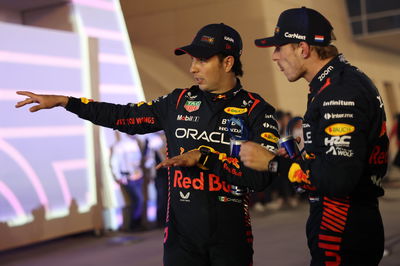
85, 100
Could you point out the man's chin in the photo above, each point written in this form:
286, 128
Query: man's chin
203, 87
293, 79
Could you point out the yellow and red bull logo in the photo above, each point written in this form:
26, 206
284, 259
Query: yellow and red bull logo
297, 175
235, 110
339, 129
230, 160
270, 137
141, 103
85, 100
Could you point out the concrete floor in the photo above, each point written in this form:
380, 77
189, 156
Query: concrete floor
279, 240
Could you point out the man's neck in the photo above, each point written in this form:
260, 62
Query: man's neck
314, 66
227, 85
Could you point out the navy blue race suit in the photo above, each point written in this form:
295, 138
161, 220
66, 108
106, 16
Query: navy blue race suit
206, 224
346, 143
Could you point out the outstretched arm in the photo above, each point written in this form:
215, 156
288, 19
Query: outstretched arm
43, 101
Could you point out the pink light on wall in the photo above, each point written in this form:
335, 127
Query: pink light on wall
27, 169
47, 131
114, 59
96, 4
37, 59
117, 89
12, 199
104, 34
59, 168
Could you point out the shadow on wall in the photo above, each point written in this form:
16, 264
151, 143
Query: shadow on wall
157, 30
153, 68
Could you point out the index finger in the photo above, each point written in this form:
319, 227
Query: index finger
26, 93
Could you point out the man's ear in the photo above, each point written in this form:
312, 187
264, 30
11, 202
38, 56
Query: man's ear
228, 63
305, 50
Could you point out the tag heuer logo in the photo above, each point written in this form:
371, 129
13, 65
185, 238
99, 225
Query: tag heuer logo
192, 106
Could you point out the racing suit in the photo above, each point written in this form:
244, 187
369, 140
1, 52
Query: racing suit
346, 143
206, 224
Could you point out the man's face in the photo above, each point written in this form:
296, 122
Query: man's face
209, 73
289, 61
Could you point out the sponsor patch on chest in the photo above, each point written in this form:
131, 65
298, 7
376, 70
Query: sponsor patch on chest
192, 106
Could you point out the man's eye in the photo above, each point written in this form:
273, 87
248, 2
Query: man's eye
203, 60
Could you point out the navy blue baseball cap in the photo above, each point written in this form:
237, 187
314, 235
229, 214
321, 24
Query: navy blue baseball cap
213, 39
299, 25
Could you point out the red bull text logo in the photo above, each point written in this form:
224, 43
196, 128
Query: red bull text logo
378, 156
214, 182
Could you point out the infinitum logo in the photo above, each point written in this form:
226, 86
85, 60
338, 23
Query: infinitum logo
339, 103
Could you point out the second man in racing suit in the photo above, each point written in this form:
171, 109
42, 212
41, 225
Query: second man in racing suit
345, 139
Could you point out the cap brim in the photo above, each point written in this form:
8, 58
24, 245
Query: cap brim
268, 42
196, 51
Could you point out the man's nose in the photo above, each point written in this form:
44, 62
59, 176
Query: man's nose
193, 67
275, 55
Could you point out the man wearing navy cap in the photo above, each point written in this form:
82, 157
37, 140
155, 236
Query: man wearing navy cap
206, 224
345, 140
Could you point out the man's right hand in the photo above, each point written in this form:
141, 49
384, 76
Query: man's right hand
283, 153
44, 101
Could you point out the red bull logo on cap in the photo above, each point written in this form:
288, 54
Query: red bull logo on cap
207, 39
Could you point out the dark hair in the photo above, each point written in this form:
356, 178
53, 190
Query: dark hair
325, 52
328, 51
237, 65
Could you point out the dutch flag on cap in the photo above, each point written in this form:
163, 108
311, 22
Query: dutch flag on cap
318, 38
